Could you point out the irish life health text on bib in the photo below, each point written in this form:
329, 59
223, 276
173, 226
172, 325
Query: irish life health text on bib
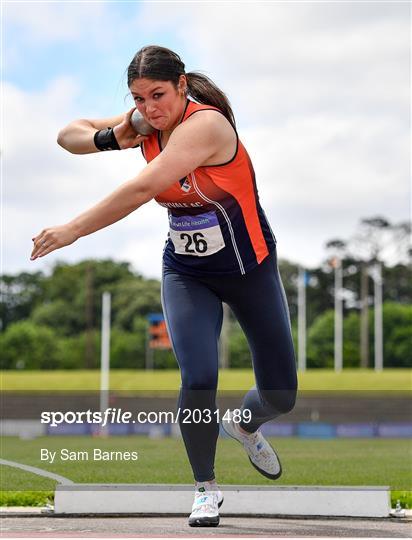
196, 235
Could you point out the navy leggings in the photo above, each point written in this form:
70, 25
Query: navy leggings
192, 307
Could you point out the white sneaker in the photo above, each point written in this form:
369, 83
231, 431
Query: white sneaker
205, 509
261, 455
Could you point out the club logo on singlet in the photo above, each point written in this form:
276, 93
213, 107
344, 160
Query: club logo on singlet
198, 235
185, 185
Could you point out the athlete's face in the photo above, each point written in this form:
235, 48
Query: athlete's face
160, 102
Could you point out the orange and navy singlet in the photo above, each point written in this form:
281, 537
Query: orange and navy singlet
216, 223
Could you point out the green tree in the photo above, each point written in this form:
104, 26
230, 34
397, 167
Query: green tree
19, 295
319, 292
25, 345
72, 350
133, 298
68, 280
397, 335
127, 350
397, 338
320, 341
397, 282
320, 346
59, 315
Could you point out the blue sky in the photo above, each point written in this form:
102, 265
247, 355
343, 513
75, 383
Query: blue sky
321, 93
98, 61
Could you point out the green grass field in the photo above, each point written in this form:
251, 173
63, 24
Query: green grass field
306, 462
322, 380
361, 462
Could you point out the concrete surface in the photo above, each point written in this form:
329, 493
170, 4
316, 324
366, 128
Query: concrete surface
287, 501
16, 525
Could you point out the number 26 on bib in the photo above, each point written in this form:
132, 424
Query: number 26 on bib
198, 235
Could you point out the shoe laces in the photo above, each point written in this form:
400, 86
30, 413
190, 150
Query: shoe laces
205, 501
250, 440
259, 448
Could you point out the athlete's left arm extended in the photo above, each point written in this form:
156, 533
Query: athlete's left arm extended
190, 145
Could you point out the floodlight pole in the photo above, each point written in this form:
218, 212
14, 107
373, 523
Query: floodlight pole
338, 359
377, 283
105, 357
302, 320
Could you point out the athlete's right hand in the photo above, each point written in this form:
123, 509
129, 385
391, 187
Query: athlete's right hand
53, 238
126, 135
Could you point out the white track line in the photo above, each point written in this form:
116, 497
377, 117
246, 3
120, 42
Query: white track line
35, 470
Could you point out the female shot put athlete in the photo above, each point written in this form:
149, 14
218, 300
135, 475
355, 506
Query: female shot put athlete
220, 248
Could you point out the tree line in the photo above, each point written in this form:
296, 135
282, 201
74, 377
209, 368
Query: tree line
53, 321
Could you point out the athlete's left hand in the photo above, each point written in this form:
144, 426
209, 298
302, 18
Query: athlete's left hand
51, 239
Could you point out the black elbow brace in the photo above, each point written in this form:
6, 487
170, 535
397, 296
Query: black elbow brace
105, 140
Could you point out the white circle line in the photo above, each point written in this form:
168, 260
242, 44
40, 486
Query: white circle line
35, 470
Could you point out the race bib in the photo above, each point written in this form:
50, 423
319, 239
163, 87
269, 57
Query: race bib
196, 235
